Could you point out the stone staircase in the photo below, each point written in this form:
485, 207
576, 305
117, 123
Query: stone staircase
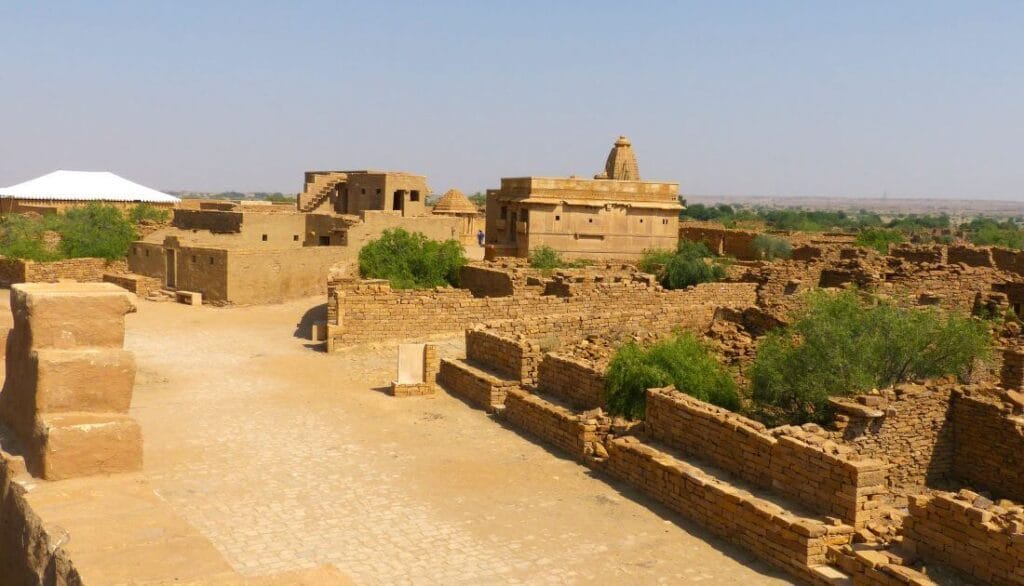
317, 193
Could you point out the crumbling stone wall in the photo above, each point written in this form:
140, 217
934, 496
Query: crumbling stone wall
720, 240
824, 476
28, 554
512, 357
981, 539
919, 254
908, 427
989, 444
972, 256
484, 281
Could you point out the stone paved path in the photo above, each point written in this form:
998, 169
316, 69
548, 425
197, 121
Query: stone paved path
287, 458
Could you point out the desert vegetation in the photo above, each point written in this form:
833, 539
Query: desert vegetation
410, 260
680, 360
690, 264
547, 258
94, 230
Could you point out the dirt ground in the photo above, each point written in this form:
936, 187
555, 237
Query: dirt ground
285, 458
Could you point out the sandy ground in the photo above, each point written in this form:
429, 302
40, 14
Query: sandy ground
286, 458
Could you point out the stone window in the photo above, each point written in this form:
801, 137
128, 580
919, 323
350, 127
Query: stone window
147, 252
558, 218
211, 260
504, 212
194, 258
414, 195
295, 237
264, 237
641, 220
378, 191
665, 221
325, 241
364, 191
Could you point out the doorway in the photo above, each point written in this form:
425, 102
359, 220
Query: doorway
512, 226
170, 268
399, 200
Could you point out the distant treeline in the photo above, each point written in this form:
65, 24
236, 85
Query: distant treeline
920, 227
276, 196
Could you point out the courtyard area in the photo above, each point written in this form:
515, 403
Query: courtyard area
286, 458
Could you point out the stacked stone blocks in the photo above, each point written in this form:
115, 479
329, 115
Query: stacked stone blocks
69, 381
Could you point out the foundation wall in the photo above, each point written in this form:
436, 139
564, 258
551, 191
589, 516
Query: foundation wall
722, 241
552, 423
25, 546
486, 282
808, 469
512, 358
989, 445
773, 535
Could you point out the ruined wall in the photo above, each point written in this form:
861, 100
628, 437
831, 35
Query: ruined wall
363, 311
773, 534
25, 546
1011, 261
14, 270
919, 254
821, 475
721, 241
989, 444
557, 425
970, 255
573, 381
218, 222
983, 541
908, 427
485, 281
513, 358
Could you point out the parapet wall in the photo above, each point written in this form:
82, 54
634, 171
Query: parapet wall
28, 554
989, 444
821, 475
982, 540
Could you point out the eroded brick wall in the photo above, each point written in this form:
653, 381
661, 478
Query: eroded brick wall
13, 270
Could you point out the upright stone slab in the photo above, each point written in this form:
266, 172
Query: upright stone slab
69, 381
418, 365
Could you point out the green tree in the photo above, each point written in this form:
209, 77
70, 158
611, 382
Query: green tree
96, 230
22, 237
689, 265
841, 345
679, 360
545, 257
411, 260
771, 247
879, 238
148, 213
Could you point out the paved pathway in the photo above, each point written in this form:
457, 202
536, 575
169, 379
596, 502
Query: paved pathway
287, 458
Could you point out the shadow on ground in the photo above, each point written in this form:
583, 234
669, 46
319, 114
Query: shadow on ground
304, 329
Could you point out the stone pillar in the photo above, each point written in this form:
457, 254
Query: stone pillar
1011, 376
69, 381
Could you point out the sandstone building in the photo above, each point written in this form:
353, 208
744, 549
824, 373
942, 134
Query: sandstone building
616, 215
249, 254
353, 192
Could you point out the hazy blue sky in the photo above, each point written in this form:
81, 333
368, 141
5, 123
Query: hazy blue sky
919, 99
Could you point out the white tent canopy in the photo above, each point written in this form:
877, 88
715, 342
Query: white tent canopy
85, 186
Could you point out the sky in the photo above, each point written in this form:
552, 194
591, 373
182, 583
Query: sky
790, 98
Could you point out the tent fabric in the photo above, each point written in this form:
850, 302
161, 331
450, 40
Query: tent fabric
85, 186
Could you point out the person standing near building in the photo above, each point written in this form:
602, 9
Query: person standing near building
480, 237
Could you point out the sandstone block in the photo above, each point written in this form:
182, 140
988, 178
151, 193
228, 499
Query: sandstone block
84, 380
70, 445
68, 315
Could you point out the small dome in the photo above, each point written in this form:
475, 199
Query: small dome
454, 202
621, 163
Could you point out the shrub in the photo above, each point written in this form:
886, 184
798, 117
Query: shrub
145, 212
842, 345
411, 260
687, 266
771, 247
679, 360
879, 239
22, 237
547, 258
96, 230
